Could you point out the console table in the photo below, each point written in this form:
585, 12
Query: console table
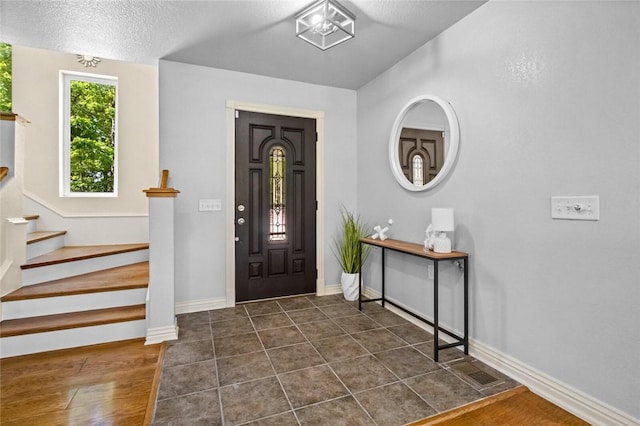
418, 250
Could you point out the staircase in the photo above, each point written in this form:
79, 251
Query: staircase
74, 295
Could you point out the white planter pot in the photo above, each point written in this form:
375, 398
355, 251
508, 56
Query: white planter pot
350, 286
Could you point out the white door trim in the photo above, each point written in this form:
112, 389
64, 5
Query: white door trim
231, 107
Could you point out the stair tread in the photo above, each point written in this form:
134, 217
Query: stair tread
45, 323
31, 217
73, 253
36, 236
125, 277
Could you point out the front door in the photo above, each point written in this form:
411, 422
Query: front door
275, 210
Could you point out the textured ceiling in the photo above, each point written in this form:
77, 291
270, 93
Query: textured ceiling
243, 35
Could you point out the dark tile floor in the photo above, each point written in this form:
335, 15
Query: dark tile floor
310, 360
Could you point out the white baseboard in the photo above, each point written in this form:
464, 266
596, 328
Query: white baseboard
221, 302
573, 400
201, 305
161, 334
331, 289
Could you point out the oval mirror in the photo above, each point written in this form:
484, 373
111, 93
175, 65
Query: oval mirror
424, 143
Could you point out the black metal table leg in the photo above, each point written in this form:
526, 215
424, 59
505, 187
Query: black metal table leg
435, 310
382, 277
466, 307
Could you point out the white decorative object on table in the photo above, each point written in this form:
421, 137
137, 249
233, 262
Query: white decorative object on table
441, 223
381, 233
442, 243
431, 236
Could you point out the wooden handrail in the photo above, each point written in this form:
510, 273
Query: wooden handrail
4, 171
164, 179
162, 191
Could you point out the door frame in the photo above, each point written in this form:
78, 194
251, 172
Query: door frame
230, 108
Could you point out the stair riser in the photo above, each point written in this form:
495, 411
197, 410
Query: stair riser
73, 303
45, 246
78, 267
72, 338
32, 225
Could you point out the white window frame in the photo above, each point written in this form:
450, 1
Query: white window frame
65, 133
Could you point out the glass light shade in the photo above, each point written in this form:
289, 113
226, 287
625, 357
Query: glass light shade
325, 24
442, 219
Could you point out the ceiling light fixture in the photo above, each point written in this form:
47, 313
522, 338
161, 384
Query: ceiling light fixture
325, 24
88, 60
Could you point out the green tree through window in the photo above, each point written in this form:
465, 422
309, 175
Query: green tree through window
92, 136
5, 77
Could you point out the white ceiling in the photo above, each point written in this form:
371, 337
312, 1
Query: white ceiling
254, 36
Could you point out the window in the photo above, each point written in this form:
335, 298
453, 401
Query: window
277, 225
418, 166
5, 77
89, 135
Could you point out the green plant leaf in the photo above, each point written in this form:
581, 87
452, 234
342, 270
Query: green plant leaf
347, 243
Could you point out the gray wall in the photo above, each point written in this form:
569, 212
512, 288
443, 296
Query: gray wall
193, 148
548, 98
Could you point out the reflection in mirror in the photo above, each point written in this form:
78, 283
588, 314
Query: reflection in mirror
421, 154
423, 143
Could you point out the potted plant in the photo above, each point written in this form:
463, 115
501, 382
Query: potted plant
346, 250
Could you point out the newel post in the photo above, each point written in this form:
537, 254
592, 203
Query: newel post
161, 315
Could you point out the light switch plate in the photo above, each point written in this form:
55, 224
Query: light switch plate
209, 205
585, 207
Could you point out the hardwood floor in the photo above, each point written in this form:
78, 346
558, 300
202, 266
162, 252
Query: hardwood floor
513, 407
101, 384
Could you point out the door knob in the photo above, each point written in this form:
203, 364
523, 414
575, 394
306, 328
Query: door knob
241, 221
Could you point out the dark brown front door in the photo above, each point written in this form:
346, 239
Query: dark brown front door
275, 211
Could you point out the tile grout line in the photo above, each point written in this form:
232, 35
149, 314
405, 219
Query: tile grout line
371, 354
400, 380
215, 362
296, 325
350, 393
403, 381
274, 368
443, 366
293, 411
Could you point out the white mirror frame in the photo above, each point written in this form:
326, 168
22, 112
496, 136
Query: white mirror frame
452, 149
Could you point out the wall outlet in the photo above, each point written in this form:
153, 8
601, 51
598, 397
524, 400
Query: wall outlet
209, 205
576, 208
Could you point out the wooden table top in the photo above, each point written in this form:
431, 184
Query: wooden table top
413, 248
